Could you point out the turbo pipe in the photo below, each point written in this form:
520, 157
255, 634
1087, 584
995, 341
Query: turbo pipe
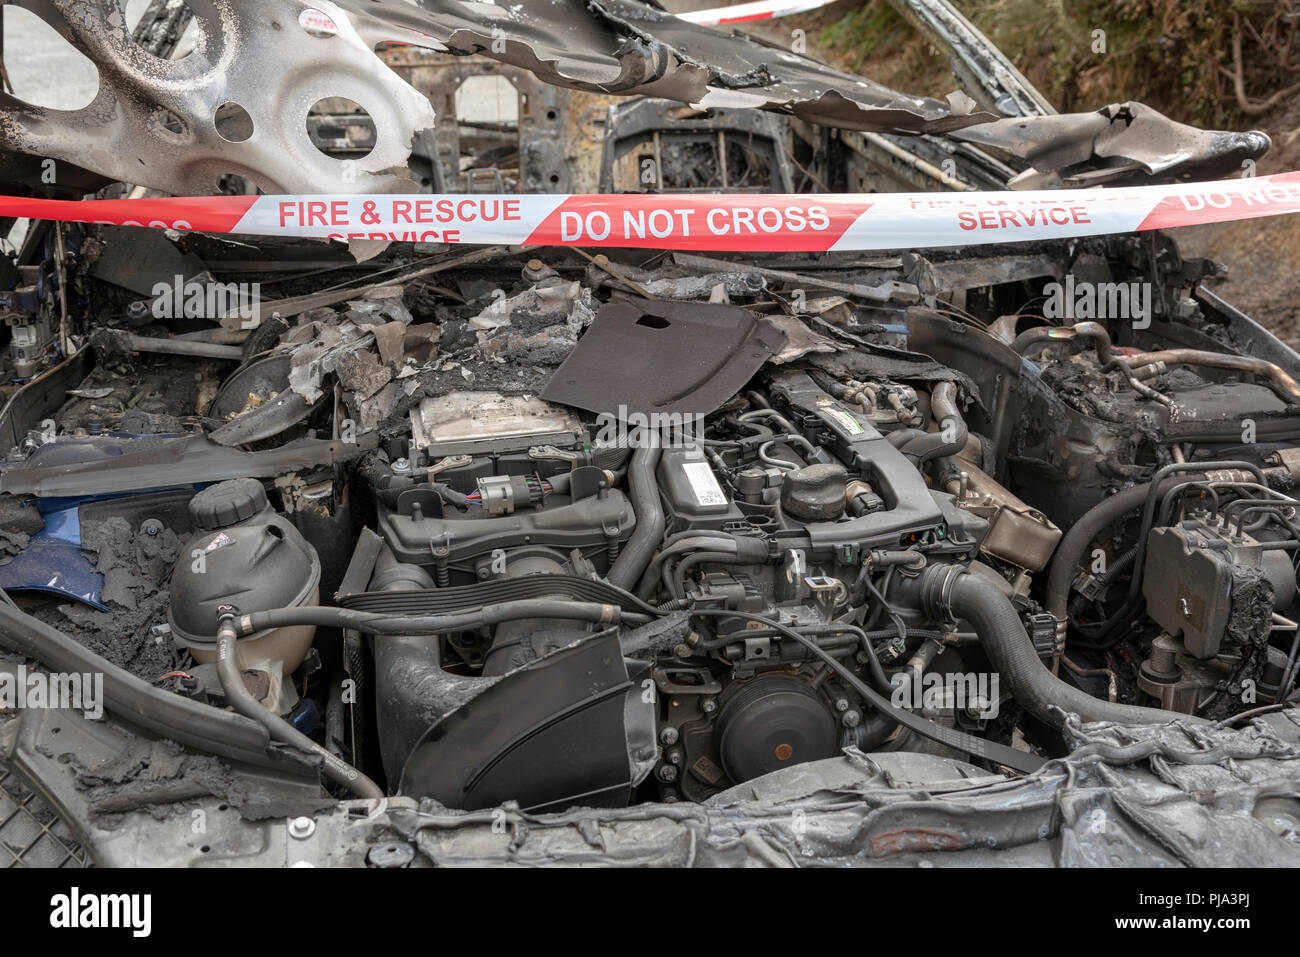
411, 688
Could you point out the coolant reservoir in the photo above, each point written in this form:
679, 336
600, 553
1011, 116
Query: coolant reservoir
247, 557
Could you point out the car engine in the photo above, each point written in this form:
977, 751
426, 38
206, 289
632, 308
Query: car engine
581, 589
465, 526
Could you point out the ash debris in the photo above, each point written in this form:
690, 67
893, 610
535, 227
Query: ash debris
155, 775
136, 566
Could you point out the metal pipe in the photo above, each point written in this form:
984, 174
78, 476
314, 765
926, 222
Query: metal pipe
130, 342
1041, 336
1278, 378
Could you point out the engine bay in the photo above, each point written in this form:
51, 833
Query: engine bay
901, 492
568, 545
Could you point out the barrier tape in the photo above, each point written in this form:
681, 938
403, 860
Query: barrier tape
798, 222
746, 12
321, 24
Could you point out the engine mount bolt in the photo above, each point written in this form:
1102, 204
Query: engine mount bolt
674, 756
667, 773
709, 705
850, 719
668, 737
841, 704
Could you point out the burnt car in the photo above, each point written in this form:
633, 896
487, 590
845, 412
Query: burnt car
386, 551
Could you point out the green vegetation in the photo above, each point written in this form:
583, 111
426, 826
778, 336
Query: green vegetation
1174, 55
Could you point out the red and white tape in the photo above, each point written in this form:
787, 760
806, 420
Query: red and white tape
321, 24
745, 12
798, 222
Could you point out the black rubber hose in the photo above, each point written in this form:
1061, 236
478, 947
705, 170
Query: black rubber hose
949, 592
387, 486
677, 583
745, 551
1076, 541
640, 548
900, 437
449, 494
952, 434
1070, 551
454, 599
827, 384
242, 700
677, 545
864, 639
378, 623
1117, 568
